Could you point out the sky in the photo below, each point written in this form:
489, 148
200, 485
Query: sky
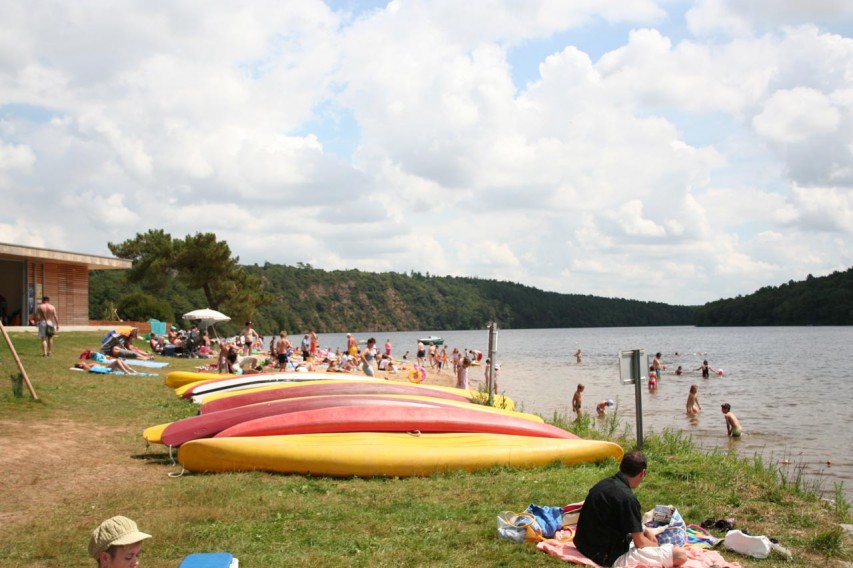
660, 150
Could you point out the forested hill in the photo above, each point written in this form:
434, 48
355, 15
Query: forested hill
827, 300
337, 301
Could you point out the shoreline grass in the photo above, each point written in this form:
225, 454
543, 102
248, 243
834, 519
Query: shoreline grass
76, 457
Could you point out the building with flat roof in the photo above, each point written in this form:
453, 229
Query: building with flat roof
29, 273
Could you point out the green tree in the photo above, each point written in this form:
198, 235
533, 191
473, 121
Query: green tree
199, 262
153, 255
140, 306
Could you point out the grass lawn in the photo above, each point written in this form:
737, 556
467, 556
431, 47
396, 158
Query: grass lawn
76, 457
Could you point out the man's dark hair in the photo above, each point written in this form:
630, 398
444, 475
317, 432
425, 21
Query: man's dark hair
633, 463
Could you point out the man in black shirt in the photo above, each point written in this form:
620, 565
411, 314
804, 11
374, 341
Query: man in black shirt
610, 520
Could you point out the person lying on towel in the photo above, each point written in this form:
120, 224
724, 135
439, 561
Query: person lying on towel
106, 368
610, 521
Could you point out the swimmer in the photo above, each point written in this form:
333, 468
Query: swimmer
733, 428
653, 379
602, 406
693, 406
706, 369
678, 371
577, 400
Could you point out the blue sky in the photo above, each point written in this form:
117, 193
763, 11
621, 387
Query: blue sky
670, 150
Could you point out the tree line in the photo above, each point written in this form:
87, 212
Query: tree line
171, 276
826, 300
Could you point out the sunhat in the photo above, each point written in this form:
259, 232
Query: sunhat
116, 531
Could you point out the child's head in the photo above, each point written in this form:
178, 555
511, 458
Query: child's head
580, 387
705, 362
726, 407
694, 388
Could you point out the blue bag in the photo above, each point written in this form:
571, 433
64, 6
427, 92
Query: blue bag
549, 518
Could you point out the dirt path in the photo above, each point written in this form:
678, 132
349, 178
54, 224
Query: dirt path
60, 462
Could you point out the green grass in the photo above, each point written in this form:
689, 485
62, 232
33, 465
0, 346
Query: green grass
292, 520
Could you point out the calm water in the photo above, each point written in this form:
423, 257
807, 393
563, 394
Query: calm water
791, 387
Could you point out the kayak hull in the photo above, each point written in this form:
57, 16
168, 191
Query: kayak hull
371, 454
392, 418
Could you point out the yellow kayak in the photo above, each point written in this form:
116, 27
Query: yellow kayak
177, 379
370, 454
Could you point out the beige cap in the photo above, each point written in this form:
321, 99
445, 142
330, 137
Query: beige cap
117, 531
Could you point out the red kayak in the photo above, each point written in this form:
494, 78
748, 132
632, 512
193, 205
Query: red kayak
208, 425
378, 388
426, 419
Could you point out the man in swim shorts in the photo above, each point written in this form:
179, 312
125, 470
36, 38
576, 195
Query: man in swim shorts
48, 322
733, 427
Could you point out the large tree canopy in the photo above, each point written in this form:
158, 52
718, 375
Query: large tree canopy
200, 262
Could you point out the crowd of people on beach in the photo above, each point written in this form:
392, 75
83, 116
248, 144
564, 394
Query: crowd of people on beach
656, 371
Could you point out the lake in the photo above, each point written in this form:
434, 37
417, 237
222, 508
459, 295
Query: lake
791, 387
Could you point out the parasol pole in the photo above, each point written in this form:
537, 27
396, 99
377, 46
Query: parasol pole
18, 361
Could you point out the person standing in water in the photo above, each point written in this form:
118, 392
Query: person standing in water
577, 401
658, 365
706, 369
733, 428
693, 406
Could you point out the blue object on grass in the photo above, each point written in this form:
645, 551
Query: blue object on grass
207, 560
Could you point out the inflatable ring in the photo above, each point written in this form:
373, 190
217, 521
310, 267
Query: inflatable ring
417, 374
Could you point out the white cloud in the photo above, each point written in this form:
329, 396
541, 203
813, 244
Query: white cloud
795, 115
669, 154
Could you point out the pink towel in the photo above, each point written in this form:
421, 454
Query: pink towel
696, 557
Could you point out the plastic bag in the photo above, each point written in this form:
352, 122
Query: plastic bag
755, 546
675, 531
519, 527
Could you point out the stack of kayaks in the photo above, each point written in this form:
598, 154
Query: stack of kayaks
351, 427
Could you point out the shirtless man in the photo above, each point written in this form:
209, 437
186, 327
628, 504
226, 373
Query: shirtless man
48, 322
577, 401
733, 428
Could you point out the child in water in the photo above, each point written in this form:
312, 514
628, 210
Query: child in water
706, 369
693, 406
733, 428
602, 406
653, 379
577, 400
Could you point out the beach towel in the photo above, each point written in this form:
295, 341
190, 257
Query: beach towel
696, 557
701, 538
146, 363
105, 371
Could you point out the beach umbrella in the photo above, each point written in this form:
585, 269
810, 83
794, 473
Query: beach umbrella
206, 318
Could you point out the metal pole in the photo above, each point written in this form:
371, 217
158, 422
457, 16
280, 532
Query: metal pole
638, 397
493, 332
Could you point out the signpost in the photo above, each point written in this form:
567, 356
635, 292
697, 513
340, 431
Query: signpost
631, 371
493, 346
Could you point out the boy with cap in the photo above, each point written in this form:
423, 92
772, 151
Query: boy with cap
116, 543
